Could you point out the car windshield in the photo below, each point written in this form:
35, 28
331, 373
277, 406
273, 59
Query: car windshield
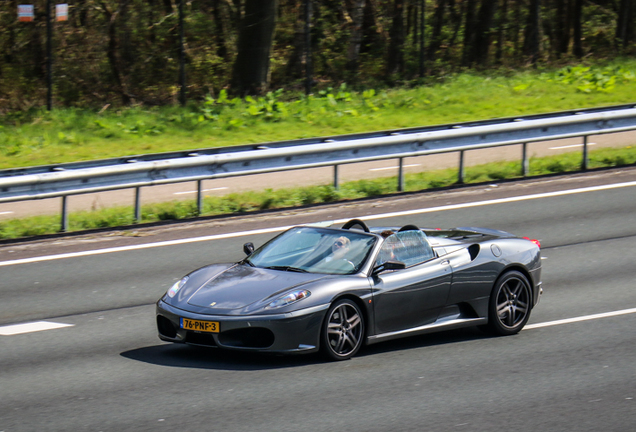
410, 247
315, 250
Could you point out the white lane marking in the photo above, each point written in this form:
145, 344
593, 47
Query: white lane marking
32, 327
337, 221
16, 329
496, 201
393, 167
202, 190
143, 246
581, 318
6, 212
570, 146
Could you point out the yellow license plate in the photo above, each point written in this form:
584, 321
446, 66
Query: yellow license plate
202, 326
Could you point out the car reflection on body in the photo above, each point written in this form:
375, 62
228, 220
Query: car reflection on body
336, 289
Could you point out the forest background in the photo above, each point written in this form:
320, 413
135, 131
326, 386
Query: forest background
127, 52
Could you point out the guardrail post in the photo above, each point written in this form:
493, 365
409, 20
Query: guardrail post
335, 177
137, 204
401, 175
199, 197
525, 162
460, 178
585, 162
64, 224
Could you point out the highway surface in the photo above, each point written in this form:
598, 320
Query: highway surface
570, 370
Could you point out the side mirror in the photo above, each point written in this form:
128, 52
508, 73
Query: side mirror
248, 248
389, 265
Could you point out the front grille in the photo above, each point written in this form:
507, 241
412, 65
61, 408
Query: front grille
204, 339
165, 327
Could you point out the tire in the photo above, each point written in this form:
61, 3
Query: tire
342, 331
510, 304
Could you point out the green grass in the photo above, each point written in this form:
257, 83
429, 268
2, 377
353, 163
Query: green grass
284, 198
38, 137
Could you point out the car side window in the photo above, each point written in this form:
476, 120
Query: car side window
410, 247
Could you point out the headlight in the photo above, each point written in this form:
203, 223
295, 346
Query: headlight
176, 287
289, 298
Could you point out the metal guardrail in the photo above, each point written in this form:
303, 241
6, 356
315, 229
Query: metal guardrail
149, 170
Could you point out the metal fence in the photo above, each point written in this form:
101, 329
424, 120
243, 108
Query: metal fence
148, 170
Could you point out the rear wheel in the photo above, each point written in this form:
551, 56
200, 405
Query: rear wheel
510, 304
343, 330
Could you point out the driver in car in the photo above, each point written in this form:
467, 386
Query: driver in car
339, 249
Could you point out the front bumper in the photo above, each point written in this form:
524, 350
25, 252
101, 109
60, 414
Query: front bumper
282, 333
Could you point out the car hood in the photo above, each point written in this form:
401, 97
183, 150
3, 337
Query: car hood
239, 286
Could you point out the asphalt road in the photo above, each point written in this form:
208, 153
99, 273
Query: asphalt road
109, 371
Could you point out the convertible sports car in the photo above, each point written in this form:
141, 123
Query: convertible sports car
334, 289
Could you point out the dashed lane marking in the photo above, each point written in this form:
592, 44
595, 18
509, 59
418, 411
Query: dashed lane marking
570, 146
581, 318
393, 167
16, 329
202, 190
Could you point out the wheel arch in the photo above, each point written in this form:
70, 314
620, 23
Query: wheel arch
521, 269
363, 308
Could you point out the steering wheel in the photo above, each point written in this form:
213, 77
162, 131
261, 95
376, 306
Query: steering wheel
349, 263
354, 222
409, 228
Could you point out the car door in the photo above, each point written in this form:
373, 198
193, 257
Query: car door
412, 297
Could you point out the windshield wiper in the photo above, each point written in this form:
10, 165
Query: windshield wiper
287, 268
248, 262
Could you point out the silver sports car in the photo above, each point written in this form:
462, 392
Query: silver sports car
335, 289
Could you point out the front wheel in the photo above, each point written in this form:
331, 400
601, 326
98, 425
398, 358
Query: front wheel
510, 304
343, 330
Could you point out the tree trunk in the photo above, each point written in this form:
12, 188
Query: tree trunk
297, 58
531, 39
624, 27
562, 26
481, 40
219, 30
10, 41
456, 12
469, 33
251, 68
577, 49
438, 24
502, 30
395, 57
516, 26
113, 51
355, 40
373, 34
167, 7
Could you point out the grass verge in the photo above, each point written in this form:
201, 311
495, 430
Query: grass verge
38, 137
294, 197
